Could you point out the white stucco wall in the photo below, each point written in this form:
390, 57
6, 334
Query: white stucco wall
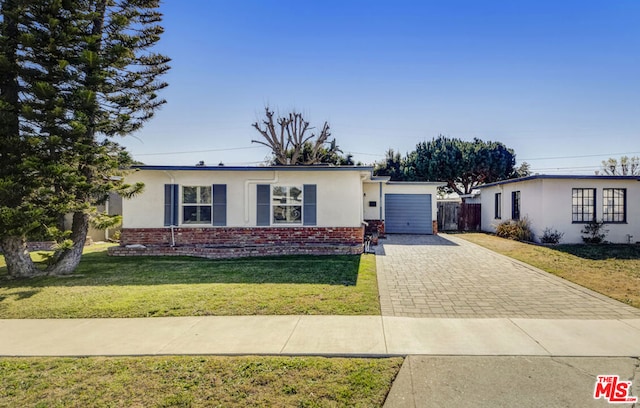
557, 202
547, 203
339, 194
372, 192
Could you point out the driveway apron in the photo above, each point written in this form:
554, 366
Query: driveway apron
445, 276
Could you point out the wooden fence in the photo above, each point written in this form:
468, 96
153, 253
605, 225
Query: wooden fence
458, 216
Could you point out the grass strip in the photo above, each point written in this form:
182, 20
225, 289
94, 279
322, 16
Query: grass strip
196, 381
104, 286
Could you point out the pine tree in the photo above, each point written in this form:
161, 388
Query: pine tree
87, 75
18, 215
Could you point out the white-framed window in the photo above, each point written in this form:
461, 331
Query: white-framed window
498, 206
196, 204
286, 204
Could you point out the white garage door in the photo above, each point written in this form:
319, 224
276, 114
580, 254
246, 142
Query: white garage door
408, 214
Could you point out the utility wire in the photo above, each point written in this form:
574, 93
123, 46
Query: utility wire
198, 151
577, 157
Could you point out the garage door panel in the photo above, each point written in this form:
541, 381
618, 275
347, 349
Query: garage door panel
408, 214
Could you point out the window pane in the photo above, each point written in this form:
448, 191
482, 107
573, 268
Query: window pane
196, 214
204, 213
190, 214
295, 195
279, 214
294, 214
205, 195
279, 195
189, 195
287, 214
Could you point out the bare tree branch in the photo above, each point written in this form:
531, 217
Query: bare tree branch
627, 166
288, 142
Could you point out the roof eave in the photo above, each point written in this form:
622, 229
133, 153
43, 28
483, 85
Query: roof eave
253, 168
558, 177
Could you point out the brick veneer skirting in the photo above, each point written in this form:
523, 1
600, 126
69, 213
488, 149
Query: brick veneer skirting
225, 242
375, 226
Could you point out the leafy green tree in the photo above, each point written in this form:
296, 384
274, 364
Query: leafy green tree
76, 73
463, 165
393, 166
523, 170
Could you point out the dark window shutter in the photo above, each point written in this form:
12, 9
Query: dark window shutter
263, 217
309, 195
171, 204
219, 205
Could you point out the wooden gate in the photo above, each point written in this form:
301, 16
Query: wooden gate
469, 217
448, 215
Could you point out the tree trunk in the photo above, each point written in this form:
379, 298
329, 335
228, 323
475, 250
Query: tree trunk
16, 255
68, 260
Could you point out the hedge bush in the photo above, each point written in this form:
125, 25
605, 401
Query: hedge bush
519, 230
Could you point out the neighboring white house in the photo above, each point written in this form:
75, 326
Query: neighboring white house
222, 211
566, 204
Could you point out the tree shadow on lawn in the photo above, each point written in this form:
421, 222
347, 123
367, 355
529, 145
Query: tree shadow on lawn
25, 294
98, 269
601, 252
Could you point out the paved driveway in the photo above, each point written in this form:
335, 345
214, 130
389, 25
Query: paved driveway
446, 276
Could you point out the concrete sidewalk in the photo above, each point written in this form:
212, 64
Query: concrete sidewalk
508, 381
320, 335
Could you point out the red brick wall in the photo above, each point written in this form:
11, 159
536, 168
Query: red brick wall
240, 242
375, 226
241, 237
238, 252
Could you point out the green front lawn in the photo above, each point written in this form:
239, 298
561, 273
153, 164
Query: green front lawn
200, 381
106, 286
613, 270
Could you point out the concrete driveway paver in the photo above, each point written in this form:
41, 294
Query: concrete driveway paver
447, 277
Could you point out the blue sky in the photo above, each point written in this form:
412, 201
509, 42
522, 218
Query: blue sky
557, 81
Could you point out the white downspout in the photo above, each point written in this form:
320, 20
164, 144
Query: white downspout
173, 235
380, 202
247, 183
363, 177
